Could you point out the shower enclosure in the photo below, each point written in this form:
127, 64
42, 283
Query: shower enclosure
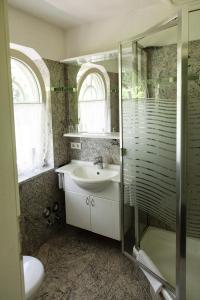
160, 153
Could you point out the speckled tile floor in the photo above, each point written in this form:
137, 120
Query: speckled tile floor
81, 265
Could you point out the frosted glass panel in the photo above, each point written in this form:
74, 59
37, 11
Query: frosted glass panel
149, 149
193, 160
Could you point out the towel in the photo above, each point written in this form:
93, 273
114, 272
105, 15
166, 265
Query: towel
61, 181
157, 287
166, 295
142, 257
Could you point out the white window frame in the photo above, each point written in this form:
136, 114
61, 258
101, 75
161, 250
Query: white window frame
37, 83
20, 56
15, 54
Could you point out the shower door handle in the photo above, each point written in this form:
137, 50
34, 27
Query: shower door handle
123, 151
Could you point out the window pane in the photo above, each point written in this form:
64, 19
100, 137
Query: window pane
30, 137
92, 88
25, 85
30, 120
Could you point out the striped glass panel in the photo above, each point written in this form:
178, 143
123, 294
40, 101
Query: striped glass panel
193, 161
150, 164
193, 211
149, 149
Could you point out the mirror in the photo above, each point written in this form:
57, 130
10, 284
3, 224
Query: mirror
93, 93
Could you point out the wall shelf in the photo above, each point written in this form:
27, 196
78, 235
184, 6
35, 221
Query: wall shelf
111, 136
92, 58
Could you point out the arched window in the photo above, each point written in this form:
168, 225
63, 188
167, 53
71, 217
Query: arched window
30, 118
93, 104
25, 85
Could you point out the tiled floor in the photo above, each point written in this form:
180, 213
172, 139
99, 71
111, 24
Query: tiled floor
160, 245
80, 265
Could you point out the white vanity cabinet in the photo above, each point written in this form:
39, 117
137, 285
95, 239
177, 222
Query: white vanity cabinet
94, 210
93, 213
105, 217
77, 209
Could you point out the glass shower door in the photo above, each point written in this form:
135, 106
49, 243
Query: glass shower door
193, 159
148, 110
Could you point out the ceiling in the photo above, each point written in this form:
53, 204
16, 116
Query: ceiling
70, 13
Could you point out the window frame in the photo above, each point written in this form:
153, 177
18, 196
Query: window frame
36, 81
17, 55
23, 58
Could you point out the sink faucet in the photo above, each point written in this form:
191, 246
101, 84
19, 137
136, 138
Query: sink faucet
99, 162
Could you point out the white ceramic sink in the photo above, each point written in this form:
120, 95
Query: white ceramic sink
91, 178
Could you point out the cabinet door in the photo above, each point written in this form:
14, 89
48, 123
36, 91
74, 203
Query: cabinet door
77, 208
105, 217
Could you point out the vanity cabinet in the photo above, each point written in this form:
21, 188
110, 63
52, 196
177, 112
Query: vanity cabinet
96, 209
77, 210
105, 217
93, 213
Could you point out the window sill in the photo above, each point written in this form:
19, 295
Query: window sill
31, 175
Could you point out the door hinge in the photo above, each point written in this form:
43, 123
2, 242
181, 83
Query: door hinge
123, 151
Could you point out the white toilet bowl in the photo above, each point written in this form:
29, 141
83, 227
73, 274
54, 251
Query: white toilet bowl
33, 275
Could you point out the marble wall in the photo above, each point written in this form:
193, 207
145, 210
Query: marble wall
72, 72
36, 194
42, 191
161, 71
92, 148
114, 101
59, 108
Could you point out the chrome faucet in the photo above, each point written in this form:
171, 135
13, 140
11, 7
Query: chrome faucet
99, 162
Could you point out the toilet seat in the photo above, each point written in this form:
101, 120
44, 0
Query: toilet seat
33, 275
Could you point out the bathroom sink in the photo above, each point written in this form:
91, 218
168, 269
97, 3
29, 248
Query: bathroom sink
91, 178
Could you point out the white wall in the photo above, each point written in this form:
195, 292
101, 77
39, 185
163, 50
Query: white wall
103, 36
54, 43
46, 39
110, 65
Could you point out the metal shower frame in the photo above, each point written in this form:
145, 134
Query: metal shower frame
180, 20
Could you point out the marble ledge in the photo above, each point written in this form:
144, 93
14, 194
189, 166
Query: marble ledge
111, 136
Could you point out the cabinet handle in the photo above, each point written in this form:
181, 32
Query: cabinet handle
92, 202
87, 201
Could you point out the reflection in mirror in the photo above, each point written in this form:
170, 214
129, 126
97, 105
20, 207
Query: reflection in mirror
93, 99
93, 95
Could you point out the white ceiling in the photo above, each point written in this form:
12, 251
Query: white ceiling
69, 13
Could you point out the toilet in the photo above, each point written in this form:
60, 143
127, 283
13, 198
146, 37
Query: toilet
33, 275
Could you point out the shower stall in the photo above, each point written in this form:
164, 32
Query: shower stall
160, 153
